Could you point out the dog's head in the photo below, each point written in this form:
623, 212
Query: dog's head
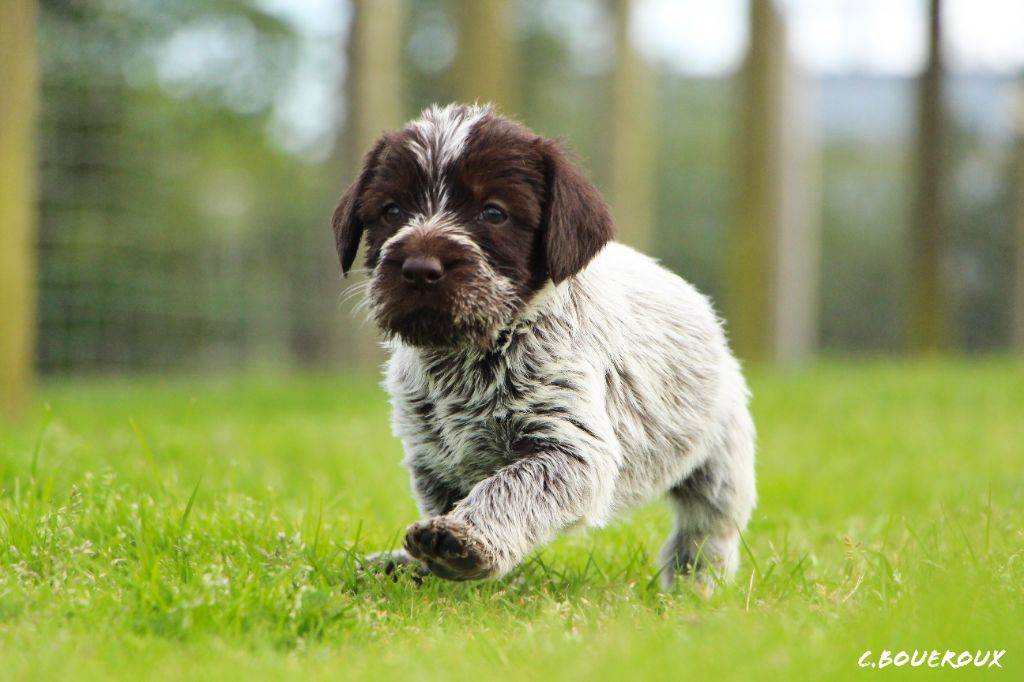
467, 214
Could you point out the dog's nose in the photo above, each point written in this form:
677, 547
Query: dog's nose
422, 270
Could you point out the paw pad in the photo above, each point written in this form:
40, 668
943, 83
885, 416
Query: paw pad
451, 549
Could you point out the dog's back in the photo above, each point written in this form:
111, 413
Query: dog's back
673, 390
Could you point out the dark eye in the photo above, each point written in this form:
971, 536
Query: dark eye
492, 215
392, 214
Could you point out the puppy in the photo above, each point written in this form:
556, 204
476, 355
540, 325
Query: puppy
542, 376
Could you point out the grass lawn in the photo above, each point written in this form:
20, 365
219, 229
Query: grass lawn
177, 529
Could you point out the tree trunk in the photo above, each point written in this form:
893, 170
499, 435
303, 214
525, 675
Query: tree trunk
631, 166
771, 264
929, 327
18, 118
487, 67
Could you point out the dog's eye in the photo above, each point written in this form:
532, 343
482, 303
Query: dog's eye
492, 215
392, 214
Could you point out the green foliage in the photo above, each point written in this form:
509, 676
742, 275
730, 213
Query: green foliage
210, 529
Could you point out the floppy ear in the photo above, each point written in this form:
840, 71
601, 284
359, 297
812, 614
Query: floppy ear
577, 223
348, 228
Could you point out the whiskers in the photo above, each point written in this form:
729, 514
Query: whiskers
358, 292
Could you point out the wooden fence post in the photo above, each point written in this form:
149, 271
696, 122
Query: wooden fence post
772, 254
631, 171
374, 104
487, 64
18, 117
1018, 220
929, 328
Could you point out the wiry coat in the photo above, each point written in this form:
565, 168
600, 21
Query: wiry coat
581, 395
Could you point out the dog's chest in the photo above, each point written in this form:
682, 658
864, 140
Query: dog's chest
463, 421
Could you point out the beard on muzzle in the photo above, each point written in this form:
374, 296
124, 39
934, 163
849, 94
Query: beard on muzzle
432, 328
424, 327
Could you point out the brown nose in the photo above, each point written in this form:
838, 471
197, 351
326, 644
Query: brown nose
422, 270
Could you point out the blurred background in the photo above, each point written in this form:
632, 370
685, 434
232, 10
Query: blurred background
843, 177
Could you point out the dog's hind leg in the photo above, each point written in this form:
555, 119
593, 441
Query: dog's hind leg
712, 506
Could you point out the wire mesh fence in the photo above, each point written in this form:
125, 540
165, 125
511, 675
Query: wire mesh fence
172, 234
177, 231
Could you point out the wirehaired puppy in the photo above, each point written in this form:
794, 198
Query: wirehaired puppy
542, 376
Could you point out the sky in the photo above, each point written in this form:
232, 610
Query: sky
708, 37
691, 37
886, 37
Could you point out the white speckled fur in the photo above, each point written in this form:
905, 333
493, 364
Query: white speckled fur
441, 135
624, 370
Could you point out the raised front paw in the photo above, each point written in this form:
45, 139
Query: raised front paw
451, 549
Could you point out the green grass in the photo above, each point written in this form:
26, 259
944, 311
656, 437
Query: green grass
207, 529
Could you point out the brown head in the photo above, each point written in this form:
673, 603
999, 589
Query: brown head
466, 214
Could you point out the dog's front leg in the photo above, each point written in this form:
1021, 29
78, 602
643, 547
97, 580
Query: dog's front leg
506, 516
434, 497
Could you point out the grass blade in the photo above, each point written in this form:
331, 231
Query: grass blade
188, 507
37, 448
